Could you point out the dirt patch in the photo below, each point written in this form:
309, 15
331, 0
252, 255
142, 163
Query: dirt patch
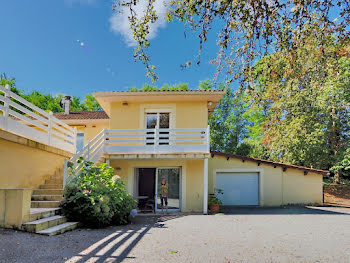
337, 194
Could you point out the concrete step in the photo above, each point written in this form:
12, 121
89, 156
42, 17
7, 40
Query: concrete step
47, 192
44, 223
47, 197
51, 186
38, 213
45, 204
59, 229
54, 181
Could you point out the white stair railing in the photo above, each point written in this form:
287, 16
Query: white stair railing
23, 118
92, 152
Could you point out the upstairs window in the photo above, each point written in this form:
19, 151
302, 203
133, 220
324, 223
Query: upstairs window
159, 120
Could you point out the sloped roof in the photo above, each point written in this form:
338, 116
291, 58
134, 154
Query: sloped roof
283, 165
82, 115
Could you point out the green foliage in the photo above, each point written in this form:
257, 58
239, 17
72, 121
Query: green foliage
165, 87
97, 198
49, 102
90, 103
343, 166
245, 30
214, 199
236, 124
306, 99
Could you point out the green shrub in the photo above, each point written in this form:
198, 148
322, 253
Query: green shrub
97, 198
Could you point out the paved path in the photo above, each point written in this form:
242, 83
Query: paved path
243, 235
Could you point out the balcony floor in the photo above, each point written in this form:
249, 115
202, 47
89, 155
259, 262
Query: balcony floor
157, 156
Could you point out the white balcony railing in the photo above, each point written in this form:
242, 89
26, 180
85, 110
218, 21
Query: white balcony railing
21, 117
139, 141
157, 141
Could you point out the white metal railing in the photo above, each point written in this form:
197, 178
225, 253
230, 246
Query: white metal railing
138, 141
92, 151
23, 118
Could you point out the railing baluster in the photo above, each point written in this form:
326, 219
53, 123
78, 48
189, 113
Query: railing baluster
7, 106
75, 134
155, 138
208, 138
50, 128
31, 122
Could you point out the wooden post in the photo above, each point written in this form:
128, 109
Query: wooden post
7, 106
50, 129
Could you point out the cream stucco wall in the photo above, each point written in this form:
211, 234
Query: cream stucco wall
277, 187
191, 178
90, 130
14, 207
183, 114
25, 163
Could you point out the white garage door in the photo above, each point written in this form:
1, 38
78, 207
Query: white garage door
239, 188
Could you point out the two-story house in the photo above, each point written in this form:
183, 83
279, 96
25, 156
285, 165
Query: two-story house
149, 135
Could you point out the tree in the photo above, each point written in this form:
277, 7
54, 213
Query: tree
90, 103
165, 87
307, 98
47, 101
247, 29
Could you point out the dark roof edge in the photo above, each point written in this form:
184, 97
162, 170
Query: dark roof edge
283, 165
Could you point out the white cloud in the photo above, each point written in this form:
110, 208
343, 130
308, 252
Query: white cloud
120, 23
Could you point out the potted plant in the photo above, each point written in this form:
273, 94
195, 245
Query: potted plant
214, 202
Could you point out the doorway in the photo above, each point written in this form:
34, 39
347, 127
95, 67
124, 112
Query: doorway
147, 188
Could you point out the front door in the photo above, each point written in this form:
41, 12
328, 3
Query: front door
173, 177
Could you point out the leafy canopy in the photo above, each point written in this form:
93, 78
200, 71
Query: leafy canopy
49, 102
248, 30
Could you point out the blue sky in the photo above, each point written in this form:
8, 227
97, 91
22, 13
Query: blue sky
39, 48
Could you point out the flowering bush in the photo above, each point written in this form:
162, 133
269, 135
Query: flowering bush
97, 198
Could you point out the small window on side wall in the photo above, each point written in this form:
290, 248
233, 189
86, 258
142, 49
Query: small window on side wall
80, 141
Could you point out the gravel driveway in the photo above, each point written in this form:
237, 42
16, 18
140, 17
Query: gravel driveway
241, 235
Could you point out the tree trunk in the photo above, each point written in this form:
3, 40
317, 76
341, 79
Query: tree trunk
336, 178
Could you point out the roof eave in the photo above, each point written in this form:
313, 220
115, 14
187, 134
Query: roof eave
283, 165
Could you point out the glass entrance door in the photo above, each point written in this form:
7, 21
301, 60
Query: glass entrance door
172, 176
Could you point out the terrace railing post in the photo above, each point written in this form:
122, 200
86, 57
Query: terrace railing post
88, 151
104, 138
208, 139
65, 172
50, 129
7, 106
75, 134
155, 140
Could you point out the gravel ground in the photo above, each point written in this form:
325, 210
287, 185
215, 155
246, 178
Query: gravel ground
243, 235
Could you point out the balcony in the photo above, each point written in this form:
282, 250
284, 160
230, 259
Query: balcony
156, 141
128, 142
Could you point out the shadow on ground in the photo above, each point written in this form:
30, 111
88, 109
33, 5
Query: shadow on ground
111, 244
114, 244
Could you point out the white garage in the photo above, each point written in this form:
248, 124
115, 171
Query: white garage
239, 188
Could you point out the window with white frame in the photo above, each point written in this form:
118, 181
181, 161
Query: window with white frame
159, 120
80, 141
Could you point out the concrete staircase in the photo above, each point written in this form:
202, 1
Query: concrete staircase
45, 213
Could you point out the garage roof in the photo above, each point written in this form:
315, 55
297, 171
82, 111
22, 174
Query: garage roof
283, 165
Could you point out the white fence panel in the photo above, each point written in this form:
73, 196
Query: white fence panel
29, 121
